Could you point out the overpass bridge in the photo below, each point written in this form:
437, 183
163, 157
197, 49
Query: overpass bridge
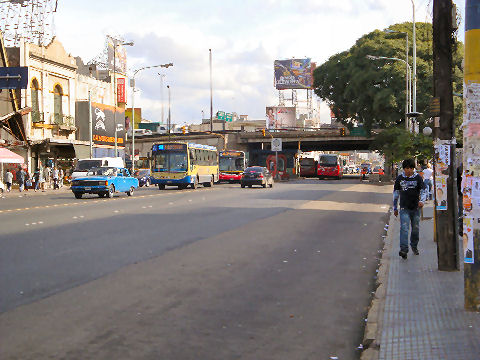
292, 140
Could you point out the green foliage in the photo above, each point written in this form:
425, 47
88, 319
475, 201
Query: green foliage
398, 144
372, 92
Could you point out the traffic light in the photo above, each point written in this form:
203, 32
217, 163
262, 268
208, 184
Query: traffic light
342, 132
184, 129
263, 132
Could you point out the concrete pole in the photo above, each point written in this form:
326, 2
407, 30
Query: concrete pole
133, 127
414, 61
211, 92
90, 125
115, 94
471, 247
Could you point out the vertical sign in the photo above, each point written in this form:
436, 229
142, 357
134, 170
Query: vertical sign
121, 90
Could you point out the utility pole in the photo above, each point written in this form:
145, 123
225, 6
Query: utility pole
444, 138
471, 246
211, 92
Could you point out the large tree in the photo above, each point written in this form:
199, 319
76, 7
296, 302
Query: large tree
372, 92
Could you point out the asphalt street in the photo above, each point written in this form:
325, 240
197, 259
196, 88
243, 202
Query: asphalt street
212, 273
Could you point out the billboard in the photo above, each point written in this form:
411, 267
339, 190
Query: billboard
103, 127
280, 117
293, 74
121, 96
120, 55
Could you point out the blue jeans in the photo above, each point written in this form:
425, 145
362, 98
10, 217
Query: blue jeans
408, 217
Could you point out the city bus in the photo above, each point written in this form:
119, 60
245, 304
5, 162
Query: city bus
184, 164
231, 165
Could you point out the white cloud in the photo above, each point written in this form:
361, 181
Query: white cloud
245, 38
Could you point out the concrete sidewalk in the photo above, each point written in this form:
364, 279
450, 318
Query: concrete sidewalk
418, 311
31, 192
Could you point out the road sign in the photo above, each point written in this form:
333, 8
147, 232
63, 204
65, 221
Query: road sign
228, 117
221, 115
14, 77
277, 144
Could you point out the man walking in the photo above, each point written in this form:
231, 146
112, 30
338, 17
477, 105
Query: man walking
21, 179
55, 177
410, 188
9, 180
427, 179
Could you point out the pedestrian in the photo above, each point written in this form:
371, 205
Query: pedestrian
28, 180
36, 179
55, 177
60, 176
41, 179
46, 176
410, 189
427, 179
21, 179
9, 180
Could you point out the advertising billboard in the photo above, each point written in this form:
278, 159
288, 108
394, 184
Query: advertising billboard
120, 55
293, 74
103, 127
280, 117
121, 96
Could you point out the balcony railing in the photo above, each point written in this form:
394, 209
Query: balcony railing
64, 120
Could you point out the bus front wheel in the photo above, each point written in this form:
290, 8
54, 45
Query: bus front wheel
161, 187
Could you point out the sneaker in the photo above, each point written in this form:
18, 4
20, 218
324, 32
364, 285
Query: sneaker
403, 254
415, 251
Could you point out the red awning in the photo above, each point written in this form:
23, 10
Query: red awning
9, 157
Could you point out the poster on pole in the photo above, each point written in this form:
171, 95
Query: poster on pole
468, 240
441, 192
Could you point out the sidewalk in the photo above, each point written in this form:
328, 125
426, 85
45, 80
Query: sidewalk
31, 192
418, 312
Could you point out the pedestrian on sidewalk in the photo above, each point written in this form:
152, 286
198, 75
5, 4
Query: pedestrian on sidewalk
9, 180
46, 176
60, 177
36, 178
427, 179
410, 189
21, 179
55, 177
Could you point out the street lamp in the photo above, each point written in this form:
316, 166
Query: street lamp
414, 62
407, 75
132, 82
116, 43
161, 93
169, 121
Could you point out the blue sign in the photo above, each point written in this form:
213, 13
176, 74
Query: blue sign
14, 77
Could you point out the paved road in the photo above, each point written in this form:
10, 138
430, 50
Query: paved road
215, 273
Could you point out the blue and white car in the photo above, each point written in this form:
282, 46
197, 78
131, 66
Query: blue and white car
105, 181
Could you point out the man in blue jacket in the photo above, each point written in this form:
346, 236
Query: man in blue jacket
410, 189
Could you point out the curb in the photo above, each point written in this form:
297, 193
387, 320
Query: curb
373, 327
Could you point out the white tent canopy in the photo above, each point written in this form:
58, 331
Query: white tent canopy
9, 157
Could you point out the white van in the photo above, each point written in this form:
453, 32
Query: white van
139, 132
84, 165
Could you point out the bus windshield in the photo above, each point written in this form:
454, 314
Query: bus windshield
328, 160
171, 161
307, 162
231, 163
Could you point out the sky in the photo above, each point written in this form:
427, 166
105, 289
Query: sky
245, 36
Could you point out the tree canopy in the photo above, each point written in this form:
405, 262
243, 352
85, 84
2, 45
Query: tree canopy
372, 92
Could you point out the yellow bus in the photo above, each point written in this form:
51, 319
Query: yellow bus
184, 164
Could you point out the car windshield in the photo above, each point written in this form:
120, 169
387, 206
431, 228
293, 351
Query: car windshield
103, 171
143, 172
307, 162
256, 169
328, 160
231, 163
84, 165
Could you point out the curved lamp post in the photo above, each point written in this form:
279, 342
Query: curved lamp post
135, 72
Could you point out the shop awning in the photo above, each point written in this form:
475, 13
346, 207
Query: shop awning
9, 157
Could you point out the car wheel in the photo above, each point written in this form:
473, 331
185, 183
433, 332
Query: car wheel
101, 195
242, 185
78, 195
271, 184
110, 191
161, 186
130, 192
249, 186
264, 185
147, 183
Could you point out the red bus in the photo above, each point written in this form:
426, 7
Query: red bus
308, 167
231, 166
329, 166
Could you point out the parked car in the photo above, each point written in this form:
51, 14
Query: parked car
104, 181
143, 176
256, 175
